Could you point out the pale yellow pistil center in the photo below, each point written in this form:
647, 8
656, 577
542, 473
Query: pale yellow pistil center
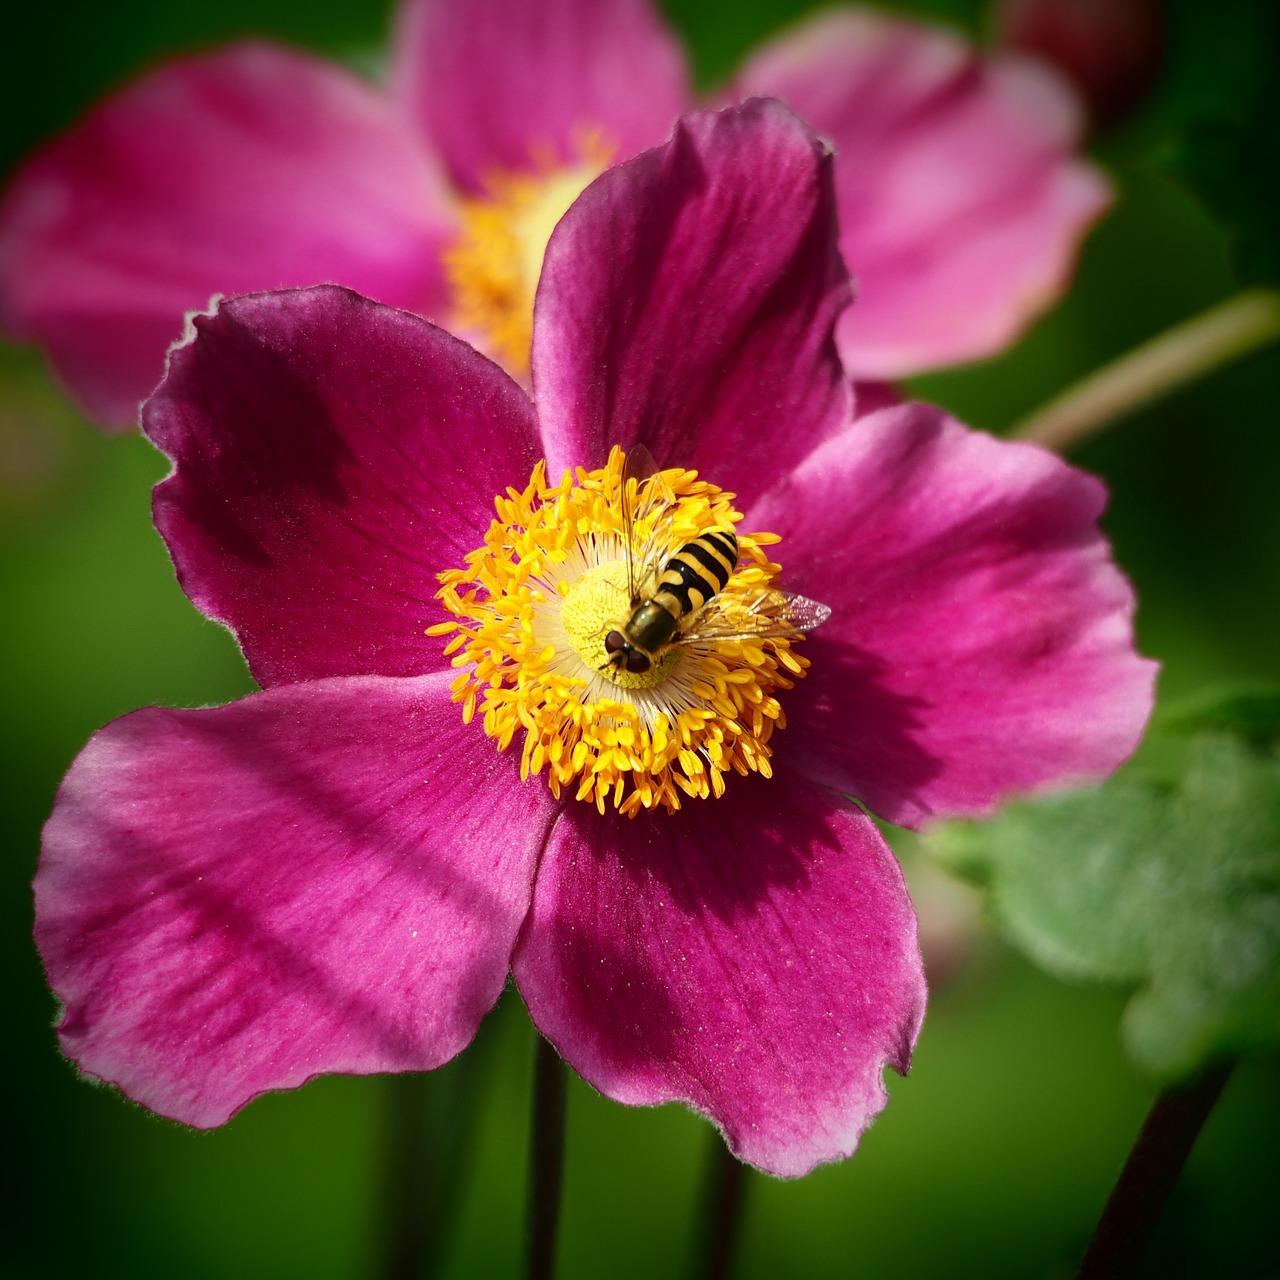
591, 608
531, 611
494, 264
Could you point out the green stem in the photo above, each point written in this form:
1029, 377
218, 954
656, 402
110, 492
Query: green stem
547, 1160
406, 1197
1149, 1176
429, 1123
1223, 333
720, 1224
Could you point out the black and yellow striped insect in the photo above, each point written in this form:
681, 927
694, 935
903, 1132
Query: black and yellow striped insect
669, 602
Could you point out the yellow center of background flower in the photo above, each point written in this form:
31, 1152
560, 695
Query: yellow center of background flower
531, 613
494, 264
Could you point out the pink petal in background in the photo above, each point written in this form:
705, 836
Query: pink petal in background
961, 201
250, 168
500, 84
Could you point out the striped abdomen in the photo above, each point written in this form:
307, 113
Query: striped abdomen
688, 580
698, 571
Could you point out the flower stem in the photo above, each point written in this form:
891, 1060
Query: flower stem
429, 1122
547, 1162
1149, 1176
723, 1194
406, 1199
1197, 346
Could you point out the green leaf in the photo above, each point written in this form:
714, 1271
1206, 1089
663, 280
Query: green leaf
1172, 887
1230, 165
1249, 713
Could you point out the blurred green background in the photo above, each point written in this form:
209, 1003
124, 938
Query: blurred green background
994, 1158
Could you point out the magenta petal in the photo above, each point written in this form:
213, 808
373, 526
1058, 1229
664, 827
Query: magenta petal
981, 642
753, 956
687, 302
331, 457
961, 205
322, 878
250, 168
510, 85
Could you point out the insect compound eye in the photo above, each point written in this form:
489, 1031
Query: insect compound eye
614, 641
638, 663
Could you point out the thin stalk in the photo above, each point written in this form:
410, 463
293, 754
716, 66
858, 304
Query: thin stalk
1188, 351
407, 1206
547, 1160
1149, 1176
429, 1122
723, 1196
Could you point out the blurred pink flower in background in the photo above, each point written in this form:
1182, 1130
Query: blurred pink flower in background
253, 167
337, 874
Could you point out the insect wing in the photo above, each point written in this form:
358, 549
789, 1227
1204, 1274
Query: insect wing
645, 497
772, 613
804, 614
638, 465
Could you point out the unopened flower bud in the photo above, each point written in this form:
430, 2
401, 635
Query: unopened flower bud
1110, 49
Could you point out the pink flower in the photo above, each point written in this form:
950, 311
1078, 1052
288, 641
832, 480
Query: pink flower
338, 873
254, 167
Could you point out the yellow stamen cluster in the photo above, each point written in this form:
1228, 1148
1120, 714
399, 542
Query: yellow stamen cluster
531, 612
494, 264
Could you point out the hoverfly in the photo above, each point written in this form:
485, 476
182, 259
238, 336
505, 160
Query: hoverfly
675, 602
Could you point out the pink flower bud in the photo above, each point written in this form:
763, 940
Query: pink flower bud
1110, 49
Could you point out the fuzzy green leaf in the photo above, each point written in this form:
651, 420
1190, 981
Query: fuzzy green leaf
1174, 888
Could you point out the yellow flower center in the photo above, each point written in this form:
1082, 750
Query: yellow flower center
494, 264
591, 608
535, 605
